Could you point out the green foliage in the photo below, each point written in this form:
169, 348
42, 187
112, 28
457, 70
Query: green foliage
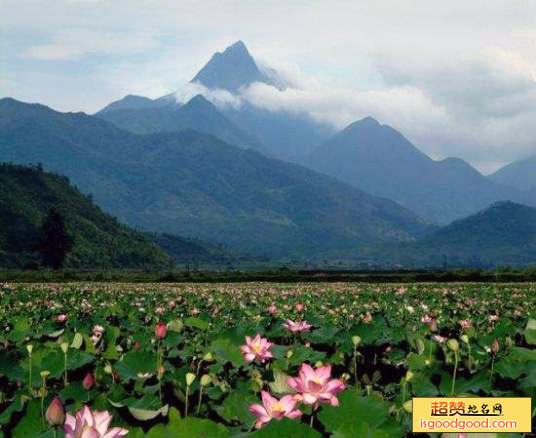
142, 382
54, 243
501, 235
192, 184
31, 197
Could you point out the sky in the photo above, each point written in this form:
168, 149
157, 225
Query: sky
457, 78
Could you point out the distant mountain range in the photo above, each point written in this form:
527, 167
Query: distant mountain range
368, 155
379, 160
169, 116
283, 135
195, 185
519, 174
218, 173
504, 234
27, 194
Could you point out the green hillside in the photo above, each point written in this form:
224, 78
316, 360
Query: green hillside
503, 234
26, 196
195, 185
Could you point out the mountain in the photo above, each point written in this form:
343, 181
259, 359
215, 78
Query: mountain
279, 134
379, 160
195, 185
285, 135
26, 196
231, 70
184, 250
132, 102
197, 114
519, 174
503, 234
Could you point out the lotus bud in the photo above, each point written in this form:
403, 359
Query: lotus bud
408, 406
409, 376
55, 414
108, 368
289, 354
160, 330
64, 347
205, 380
420, 346
345, 377
465, 338
356, 340
453, 345
208, 357
190, 377
29, 347
88, 381
45, 374
495, 346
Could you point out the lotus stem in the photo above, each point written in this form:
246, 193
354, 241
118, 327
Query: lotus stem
186, 408
492, 366
30, 373
199, 401
65, 369
454, 373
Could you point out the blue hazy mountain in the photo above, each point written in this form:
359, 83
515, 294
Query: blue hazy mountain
519, 174
379, 160
195, 185
168, 116
231, 69
132, 101
504, 234
284, 135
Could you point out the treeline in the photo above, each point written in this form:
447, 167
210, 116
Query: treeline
502, 275
46, 222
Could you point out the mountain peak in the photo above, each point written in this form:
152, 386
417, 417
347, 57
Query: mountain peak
367, 122
199, 101
130, 101
230, 70
239, 48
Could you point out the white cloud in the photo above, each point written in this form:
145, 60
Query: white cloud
220, 98
76, 43
456, 77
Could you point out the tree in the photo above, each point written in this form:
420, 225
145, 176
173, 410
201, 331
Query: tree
55, 243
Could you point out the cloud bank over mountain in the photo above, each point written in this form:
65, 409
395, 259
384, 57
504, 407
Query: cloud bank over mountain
454, 87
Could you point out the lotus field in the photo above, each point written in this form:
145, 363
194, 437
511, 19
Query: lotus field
254, 360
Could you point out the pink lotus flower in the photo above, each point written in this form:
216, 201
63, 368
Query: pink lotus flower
91, 424
88, 381
401, 291
272, 308
427, 319
465, 323
256, 349
160, 330
297, 327
300, 307
61, 318
55, 413
274, 408
316, 386
439, 338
